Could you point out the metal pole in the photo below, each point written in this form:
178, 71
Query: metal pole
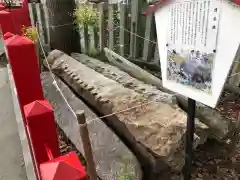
91, 168
189, 139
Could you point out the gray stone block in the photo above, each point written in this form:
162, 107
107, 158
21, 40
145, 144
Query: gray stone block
112, 157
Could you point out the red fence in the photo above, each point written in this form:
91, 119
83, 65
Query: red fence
12, 20
38, 114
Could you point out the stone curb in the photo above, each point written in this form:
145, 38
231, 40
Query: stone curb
29, 165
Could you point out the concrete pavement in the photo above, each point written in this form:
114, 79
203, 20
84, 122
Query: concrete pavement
11, 156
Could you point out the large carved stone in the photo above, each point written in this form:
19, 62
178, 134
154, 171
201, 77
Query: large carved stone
221, 128
111, 156
112, 72
155, 127
148, 91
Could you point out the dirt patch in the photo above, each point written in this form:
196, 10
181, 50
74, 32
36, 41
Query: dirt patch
3, 61
213, 160
67, 146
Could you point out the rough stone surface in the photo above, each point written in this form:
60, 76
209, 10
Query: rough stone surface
111, 155
220, 127
148, 91
157, 125
112, 72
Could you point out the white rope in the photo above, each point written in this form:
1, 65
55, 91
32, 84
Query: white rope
122, 111
61, 93
64, 98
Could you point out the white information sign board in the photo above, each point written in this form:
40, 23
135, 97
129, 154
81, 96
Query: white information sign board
198, 41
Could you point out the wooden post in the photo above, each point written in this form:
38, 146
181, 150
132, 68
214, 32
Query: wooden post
95, 38
86, 39
86, 145
63, 32
102, 35
124, 35
238, 122
46, 24
235, 139
35, 22
148, 46
110, 27
234, 78
135, 29
39, 21
132, 40
134, 9
101, 26
38, 48
42, 23
32, 13
156, 57
95, 34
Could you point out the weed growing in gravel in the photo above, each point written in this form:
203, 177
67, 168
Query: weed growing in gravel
123, 176
30, 33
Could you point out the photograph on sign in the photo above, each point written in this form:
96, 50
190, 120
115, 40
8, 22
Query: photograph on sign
191, 46
198, 41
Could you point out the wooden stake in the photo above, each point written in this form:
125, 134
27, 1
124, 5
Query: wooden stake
235, 139
238, 123
91, 168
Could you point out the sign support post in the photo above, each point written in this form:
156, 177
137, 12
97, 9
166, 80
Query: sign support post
189, 139
192, 40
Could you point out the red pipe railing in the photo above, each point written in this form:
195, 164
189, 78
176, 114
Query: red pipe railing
38, 115
12, 20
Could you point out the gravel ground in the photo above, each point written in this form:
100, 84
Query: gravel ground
214, 161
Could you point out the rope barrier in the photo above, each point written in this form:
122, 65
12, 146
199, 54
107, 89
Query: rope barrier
61, 93
69, 106
121, 45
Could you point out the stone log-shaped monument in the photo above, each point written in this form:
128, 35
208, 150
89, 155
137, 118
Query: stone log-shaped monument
152, 129
148, 91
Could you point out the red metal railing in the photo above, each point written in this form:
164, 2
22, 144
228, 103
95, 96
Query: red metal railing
12, 20
38, 114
